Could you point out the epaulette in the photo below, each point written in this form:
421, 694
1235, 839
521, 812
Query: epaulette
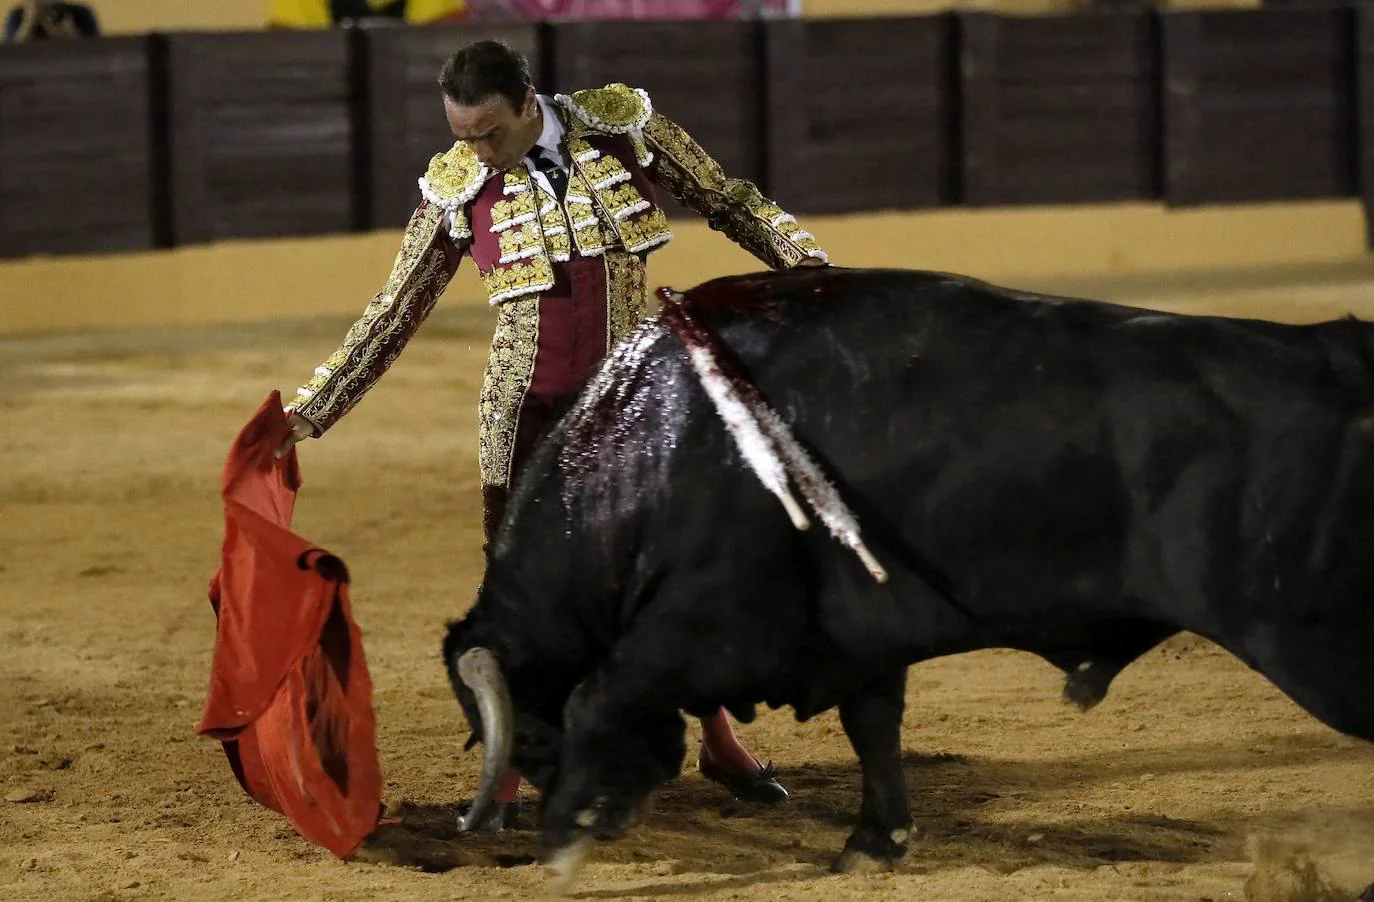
614, 109
453, 180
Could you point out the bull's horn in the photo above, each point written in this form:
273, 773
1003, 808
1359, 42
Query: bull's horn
480, 672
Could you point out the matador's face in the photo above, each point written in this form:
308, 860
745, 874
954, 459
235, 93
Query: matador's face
499, 133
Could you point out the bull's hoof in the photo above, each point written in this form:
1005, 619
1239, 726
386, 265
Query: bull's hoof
565, 864
1367, 895
870, 851
503, 815
761, 787
1086, 685
852, 861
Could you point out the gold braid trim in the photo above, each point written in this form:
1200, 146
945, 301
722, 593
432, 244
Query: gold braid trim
602, 181
452, 180
590, 235
733, 206
626, 297
418, 277
615, 109
524, 267
510, 369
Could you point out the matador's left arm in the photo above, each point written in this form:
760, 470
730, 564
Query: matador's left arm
733, 206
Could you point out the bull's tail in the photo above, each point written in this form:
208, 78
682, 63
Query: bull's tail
764, 440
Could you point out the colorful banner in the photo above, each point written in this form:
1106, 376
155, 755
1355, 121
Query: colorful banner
631, 9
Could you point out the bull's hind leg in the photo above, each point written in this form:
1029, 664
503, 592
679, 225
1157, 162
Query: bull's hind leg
872, 720
1321, 663
1322, 666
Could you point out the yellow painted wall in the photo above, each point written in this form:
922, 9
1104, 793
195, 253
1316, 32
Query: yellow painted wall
137, 16
254, 280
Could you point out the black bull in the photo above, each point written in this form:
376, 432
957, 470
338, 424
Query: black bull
1074, 479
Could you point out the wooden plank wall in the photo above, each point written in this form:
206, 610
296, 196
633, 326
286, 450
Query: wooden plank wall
1059, 109
1259, 105
77, 154
861, 113
132, 143
262, 135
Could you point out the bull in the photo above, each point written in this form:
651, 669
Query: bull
1071, 478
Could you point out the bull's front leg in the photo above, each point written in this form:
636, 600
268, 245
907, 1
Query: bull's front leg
872, 720
618, 746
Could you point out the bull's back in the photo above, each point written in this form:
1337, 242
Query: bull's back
1040, 450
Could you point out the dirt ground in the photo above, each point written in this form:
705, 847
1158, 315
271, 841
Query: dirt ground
110, 449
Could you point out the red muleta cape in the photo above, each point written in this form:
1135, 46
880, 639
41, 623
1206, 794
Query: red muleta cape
290, 697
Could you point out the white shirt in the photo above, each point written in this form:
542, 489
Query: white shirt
550, 143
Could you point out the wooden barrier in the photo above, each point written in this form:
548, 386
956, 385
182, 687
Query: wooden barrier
262, 134
1259, 105
1059, 109
191, 138
861, 113
77, 154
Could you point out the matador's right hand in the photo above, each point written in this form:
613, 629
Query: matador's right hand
300, 429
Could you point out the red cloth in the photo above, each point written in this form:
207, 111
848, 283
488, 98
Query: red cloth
290, 696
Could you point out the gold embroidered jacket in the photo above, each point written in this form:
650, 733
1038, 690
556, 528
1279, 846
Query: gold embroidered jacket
618, 148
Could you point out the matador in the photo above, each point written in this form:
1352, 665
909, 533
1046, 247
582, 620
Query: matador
554, 199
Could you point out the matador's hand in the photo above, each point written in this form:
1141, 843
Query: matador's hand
300, 429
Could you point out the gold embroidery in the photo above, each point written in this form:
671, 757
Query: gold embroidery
578, 147
510, 368
626, 298
588, 231
462, 227
639, 233
642, 153
623, 200
558, 244
521, 242
617, 198
524, 266
417, 278
733, 206
603, 172
452, 181
520, 277
556, 241
520, 209
614, 109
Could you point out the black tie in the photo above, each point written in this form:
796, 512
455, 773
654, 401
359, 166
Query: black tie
557, 177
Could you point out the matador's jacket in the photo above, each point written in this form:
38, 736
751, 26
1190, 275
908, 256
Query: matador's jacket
539, 258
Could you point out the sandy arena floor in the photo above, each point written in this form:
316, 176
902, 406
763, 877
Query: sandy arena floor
110, 449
